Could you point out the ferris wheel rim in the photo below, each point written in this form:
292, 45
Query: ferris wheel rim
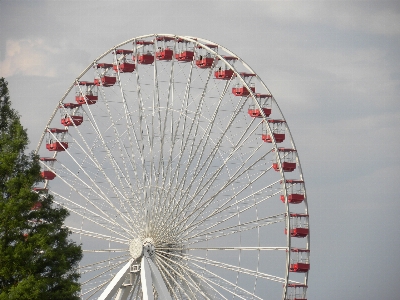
204, 45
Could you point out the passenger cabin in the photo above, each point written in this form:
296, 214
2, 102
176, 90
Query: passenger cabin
40, 190
298, 225
299, 260
70, 114
278, 129
295, 191
287, 159
185, 51
164, 51
223, 71
36, 206
240, 90
205, 59
106, 78
124, 63
263, 100
56, 139
85, 92
144, 53
48, 162
296, 291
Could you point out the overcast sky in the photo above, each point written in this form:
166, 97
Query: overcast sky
333, 67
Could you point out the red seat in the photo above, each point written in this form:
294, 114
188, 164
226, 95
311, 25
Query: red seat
185, 56
71, 120
146, 59
223, 74
57, 146
165, 54
86, 99
124, 68
255, 113
204, 62
293, 198
299, 267
298, 232
279, 137
286, 166
48, 175
242, 91
105, 81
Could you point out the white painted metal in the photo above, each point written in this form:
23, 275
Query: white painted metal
146, 278
116, 282
168, 161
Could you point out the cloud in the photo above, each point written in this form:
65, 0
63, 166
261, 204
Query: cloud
28, 57
361, 16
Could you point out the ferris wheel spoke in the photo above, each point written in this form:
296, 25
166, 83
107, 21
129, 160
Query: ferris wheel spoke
210, 181
100, 262
240, 202
100, 268
233, 268
234, 229
98, 235
193, 126
189, 135
209, 160
163, 266
112, 267
166, 278
91, 202
103, 196
231, 202
122, 151
180, 206
129, 122
107, 219
95, 289
228, 286
204, 279
201, 206
185, 284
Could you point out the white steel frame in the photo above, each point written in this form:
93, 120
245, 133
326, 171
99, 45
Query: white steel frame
166, 163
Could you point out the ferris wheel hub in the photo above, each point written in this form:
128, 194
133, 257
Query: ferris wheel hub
139, 247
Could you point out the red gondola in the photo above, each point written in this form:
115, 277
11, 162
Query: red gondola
298, 225
296, 291
299, 262
224, 72
86, 93
205, 58
294, 190
144, 55
124, 64
288, 160
70, 114
164, 54
185, 51
278, 131
105, 79
56, 140
48, 174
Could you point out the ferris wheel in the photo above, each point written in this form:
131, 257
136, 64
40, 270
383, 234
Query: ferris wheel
180, 174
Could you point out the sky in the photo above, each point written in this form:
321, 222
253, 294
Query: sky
333, 67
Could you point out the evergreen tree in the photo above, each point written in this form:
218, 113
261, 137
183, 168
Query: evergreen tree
37, 258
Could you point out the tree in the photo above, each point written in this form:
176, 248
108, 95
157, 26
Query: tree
37, 258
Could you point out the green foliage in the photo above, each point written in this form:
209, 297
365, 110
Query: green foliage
37, 259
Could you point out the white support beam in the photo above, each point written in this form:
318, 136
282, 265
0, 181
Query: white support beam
159, 283
147, 282
116, 283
